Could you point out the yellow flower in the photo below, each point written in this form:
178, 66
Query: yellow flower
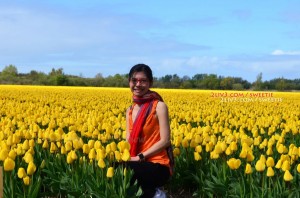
101, 163
92, 154
214, 155
25, 145
68, 146
69, 159
117, 156
126, 155
110, 172
270, 172
197, 156
198, 148
260, 166
287, 176
234, 163
73, 155
269, 151
53, 147
45, 144
250, 156
85, 149
286, 165
243, 153
21, 173
26, 180
31, 168
233, 146
3, 154
12, 154
270, 162
28, 157
91, 143
278, 164
113, 146
63, 150
185, 143
248, 169
9, 164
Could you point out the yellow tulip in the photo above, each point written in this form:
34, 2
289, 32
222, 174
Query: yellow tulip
198, 148
12, 154
9, 164
26, 180
21, 173
113, 146
214, 155
110, 172
63, 150
31, 168
117, 156
250, 157
233, 146
92, 154
243, 153
287, 176
45, 144
234, 163
69, 159
248, 169
278, 164
197, 156
270, 162
228, 151
73, 155
91, 143
85, 149
28, 157
53, 147
270, 172
269, 151
25, 145
260, 166
101, 163
185, 143
126, 155
286, 165
3, 154
31, 143
68, 146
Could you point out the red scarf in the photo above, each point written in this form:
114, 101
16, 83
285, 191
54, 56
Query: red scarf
146, 102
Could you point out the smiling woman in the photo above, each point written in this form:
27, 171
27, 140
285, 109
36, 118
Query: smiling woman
148, 132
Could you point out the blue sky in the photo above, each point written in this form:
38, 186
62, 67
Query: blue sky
228, 38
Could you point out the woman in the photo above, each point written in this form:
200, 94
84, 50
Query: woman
148, 132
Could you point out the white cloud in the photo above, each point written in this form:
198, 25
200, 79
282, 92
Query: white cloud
281, 52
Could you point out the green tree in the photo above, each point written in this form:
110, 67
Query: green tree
258, 83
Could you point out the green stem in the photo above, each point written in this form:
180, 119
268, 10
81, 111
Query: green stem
263, 185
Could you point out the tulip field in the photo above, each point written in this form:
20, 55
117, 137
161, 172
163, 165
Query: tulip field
70, 142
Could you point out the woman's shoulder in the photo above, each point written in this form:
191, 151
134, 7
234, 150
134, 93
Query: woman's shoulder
161, 106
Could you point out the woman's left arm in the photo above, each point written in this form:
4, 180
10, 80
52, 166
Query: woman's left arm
164, 126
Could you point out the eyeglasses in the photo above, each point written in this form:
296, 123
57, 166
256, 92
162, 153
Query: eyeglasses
140, 80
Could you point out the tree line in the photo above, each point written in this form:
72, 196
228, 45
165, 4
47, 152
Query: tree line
57, 77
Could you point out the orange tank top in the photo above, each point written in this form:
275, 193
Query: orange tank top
150, 135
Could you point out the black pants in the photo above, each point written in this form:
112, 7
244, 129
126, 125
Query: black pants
149, 176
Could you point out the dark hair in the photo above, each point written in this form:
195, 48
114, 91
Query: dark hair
141, 68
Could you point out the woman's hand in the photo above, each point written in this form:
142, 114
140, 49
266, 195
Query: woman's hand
135, 159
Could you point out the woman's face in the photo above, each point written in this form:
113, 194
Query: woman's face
139, 84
